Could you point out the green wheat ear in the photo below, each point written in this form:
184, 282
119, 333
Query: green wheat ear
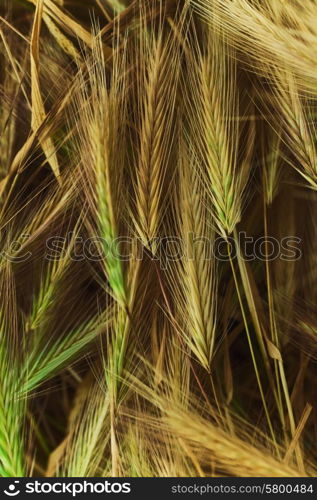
12, 413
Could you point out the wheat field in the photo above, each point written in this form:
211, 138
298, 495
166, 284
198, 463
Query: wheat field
158, 238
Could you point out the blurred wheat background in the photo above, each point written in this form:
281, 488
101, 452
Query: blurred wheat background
131, 124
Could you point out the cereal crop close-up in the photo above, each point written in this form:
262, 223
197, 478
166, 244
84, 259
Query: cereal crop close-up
158, 238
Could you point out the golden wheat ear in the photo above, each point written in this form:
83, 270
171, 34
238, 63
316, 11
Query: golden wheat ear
195, 296
213, 115
157, 62
299, 128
